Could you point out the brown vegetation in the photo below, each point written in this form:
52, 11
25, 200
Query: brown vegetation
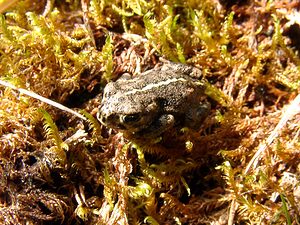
242, 167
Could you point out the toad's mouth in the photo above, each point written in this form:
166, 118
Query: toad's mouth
135, 125
135, 129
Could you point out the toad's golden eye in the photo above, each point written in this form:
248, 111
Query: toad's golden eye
133, 118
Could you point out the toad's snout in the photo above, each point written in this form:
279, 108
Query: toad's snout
110, 120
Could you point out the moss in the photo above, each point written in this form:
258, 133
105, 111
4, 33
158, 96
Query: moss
242, 166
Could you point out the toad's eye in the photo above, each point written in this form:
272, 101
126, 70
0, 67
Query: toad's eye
133, 118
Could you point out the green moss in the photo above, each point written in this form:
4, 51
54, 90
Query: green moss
54, 166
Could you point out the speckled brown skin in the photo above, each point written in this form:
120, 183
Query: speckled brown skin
156, 100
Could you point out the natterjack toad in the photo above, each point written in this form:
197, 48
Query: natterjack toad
155, 101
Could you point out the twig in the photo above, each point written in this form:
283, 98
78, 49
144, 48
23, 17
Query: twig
233, 208
48, 7
43, 99
292, 109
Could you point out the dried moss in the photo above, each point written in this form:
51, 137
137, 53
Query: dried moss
242, 166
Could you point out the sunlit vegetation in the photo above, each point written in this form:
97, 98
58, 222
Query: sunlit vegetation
241, 167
